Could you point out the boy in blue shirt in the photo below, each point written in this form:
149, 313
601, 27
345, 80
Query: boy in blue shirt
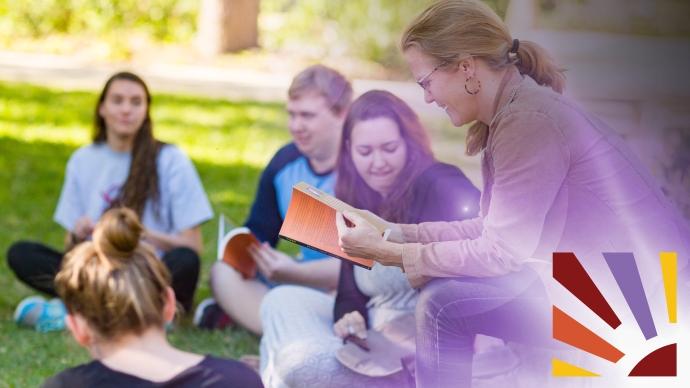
318, 99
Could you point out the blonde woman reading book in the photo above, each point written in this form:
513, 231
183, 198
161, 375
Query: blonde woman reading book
556, 179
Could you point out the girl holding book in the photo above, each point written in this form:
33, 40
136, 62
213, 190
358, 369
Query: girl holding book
385, 166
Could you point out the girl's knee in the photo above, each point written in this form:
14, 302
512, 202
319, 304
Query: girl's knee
21, 255
283, 296
186, 258
304, 363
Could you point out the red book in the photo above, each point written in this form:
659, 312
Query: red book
310, 222
232, 248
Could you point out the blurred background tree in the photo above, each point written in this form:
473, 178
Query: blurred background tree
163, 20
121, 25
227, 26
315, 30
366, 29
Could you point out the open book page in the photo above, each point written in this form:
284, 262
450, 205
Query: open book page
310, 221
339, 205
233, 248
387, 347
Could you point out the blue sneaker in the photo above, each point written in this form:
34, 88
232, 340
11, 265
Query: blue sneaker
28, 311
52, 318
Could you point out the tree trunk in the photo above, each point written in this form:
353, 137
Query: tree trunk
227, 26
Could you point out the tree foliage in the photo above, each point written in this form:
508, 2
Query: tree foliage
368, 29
365, 29
163, 20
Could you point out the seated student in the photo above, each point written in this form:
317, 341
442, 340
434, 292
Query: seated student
119, 300
386, 166
125, 166
317, 104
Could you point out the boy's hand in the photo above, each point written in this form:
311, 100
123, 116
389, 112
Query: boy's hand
276, 266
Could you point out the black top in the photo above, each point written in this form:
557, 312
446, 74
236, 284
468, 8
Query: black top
441, 193
210, 372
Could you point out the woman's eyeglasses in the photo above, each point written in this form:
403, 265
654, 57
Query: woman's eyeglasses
425, 81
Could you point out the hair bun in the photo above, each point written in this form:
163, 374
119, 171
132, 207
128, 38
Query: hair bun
118, 233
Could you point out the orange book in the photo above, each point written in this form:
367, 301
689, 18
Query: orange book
232, 248
310, 222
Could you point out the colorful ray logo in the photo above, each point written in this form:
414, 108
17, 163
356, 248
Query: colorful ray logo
568, 271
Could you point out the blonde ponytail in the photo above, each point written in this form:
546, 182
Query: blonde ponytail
476, 138
535, 62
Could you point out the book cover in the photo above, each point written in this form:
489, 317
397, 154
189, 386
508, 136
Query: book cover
232, 248
310, 222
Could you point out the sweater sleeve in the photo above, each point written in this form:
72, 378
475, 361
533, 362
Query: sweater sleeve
428, 232
530, 160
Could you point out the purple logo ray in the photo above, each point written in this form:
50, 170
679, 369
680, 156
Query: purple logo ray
624, 269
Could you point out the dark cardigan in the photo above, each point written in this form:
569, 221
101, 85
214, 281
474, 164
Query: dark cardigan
441, 193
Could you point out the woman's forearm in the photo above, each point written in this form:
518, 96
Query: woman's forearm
428, 232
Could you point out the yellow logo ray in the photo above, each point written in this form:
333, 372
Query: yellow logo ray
560, 368
669, 269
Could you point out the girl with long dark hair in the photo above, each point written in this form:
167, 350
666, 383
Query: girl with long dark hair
124, 166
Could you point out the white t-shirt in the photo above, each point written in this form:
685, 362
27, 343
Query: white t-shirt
95, 174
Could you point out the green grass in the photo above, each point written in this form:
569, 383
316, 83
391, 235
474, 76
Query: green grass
229, 142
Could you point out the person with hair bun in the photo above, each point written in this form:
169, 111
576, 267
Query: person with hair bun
118, 297
556, 179
124, 166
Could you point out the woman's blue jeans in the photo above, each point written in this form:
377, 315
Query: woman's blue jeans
451, 311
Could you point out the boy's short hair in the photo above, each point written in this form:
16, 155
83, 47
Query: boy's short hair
327, 82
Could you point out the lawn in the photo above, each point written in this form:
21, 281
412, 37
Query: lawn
229, 143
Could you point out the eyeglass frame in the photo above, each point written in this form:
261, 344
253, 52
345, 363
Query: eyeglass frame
427, 77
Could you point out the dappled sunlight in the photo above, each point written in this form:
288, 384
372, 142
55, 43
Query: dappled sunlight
230, 196
209, 130
229, 142
252, 146
218, 114
72, 136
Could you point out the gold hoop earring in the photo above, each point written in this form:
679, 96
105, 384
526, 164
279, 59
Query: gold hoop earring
472, 85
